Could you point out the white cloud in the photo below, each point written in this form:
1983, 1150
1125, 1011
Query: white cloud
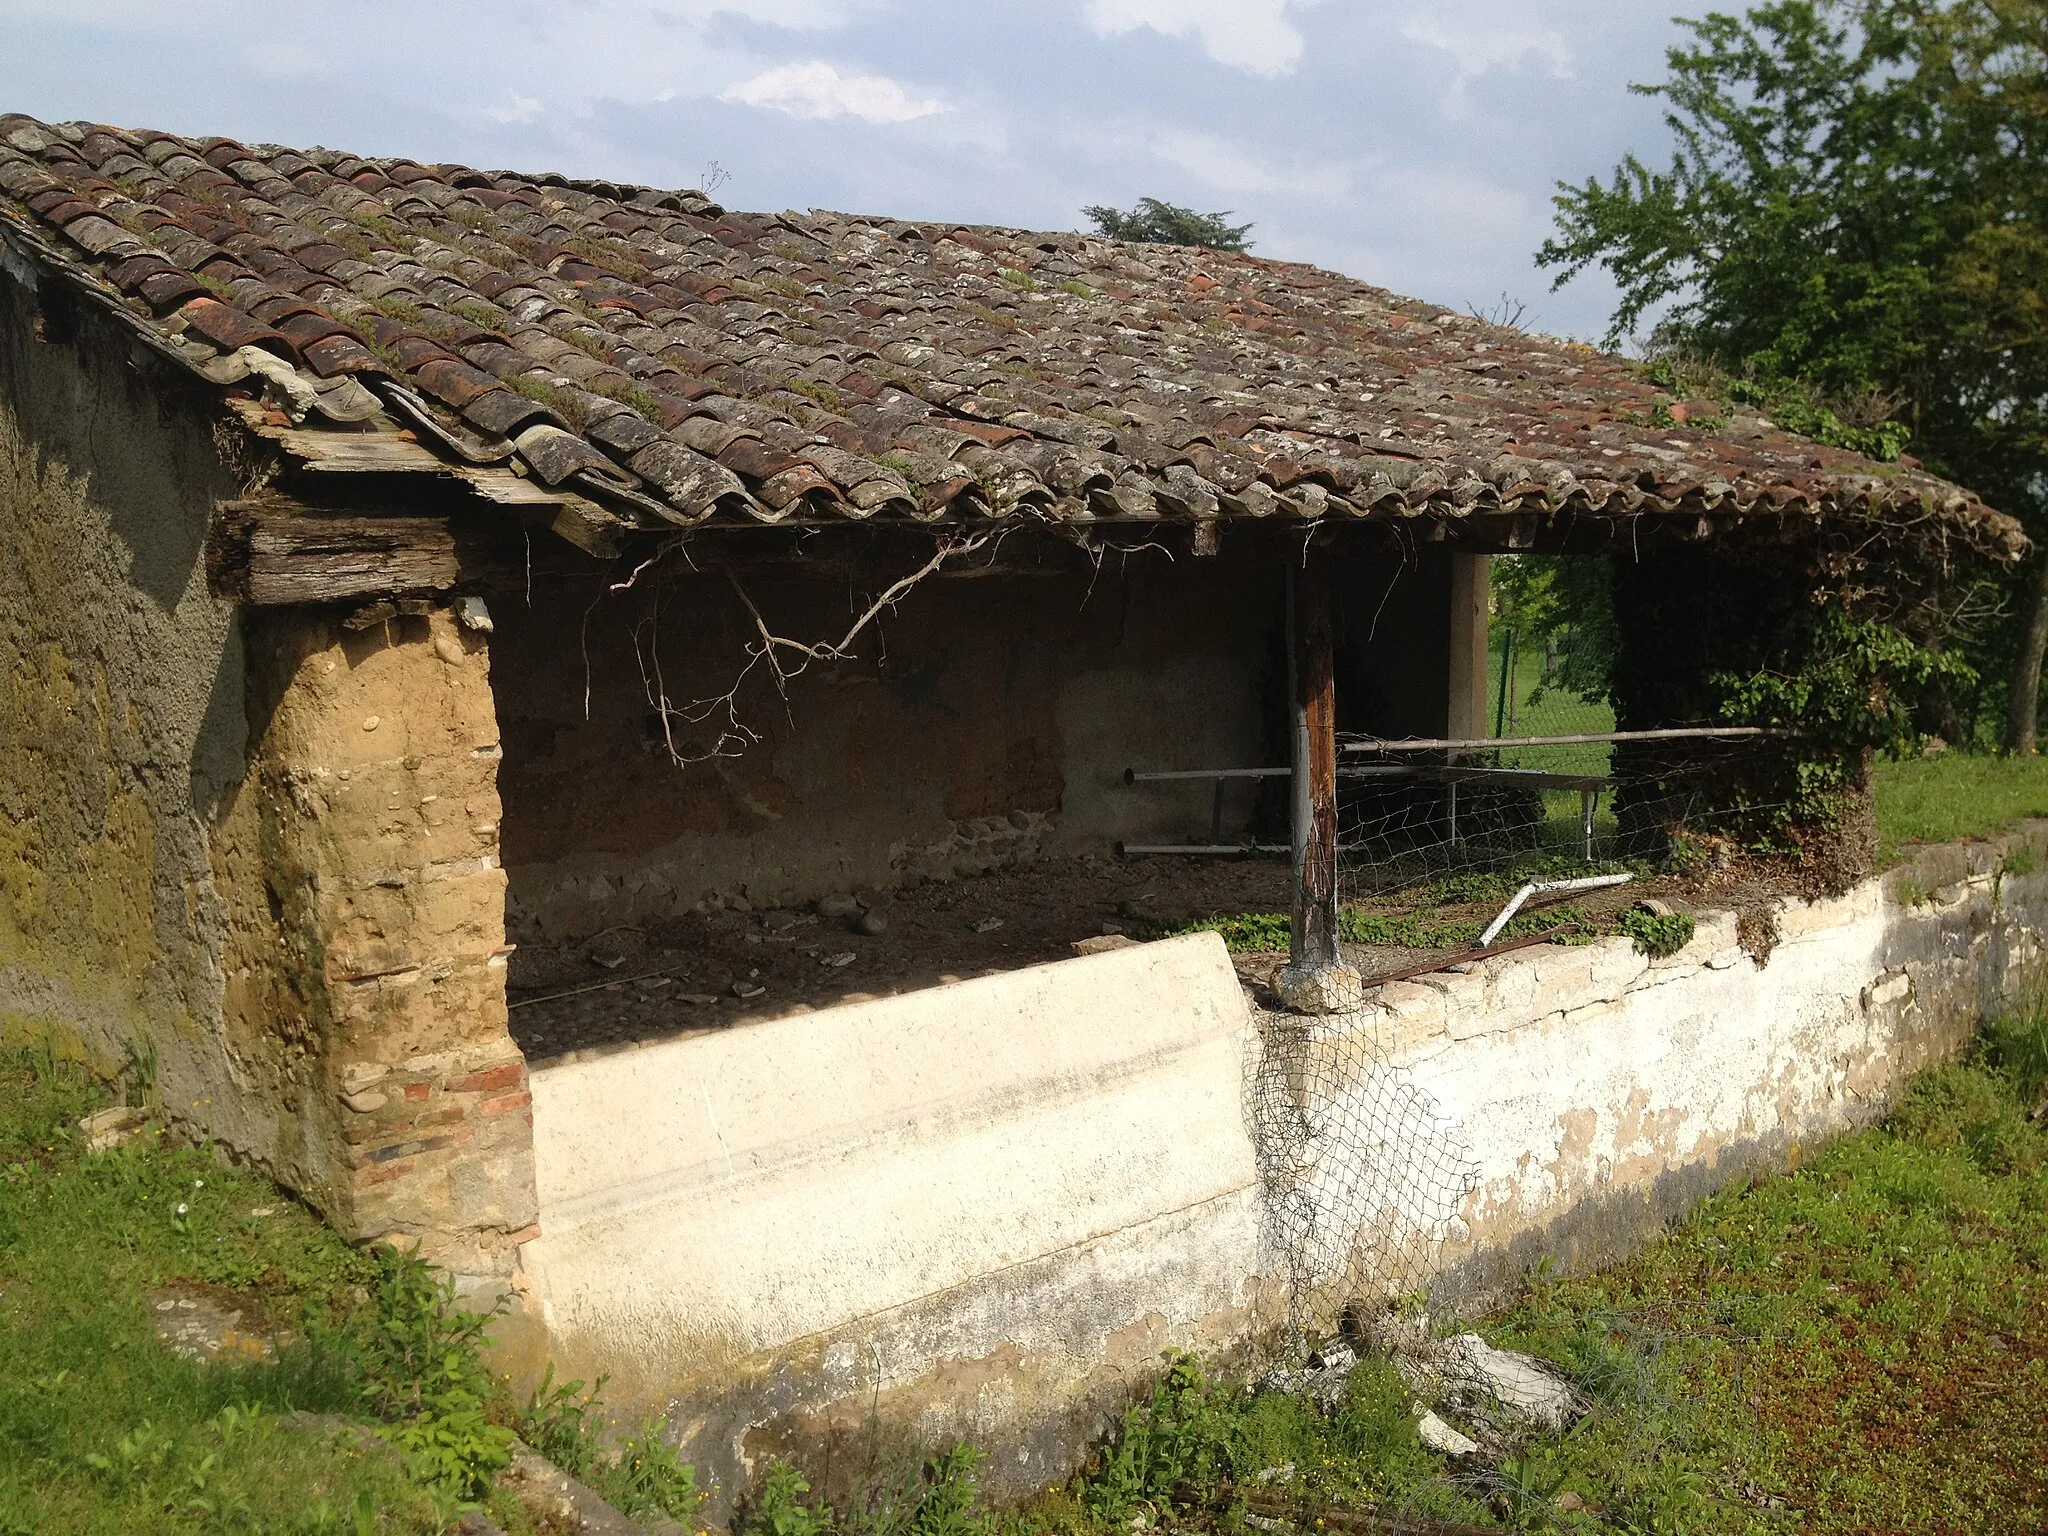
1254, 35
1479, 44
517, 109
1217, 162
818, 90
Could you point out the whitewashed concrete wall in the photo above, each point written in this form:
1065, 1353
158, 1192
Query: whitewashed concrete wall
983, 1211
993, 1203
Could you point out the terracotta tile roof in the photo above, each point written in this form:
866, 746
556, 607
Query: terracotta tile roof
680, 362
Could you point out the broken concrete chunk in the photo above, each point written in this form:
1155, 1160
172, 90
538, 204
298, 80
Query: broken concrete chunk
474, 615
988, 925
873, 924
837, 909
605, 961
1439, 1436
835, 962
1322, 989
779, 922
748, 989
1656, 908
1526, 1387
105, 1129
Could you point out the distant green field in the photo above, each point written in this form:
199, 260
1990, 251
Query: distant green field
1942, 799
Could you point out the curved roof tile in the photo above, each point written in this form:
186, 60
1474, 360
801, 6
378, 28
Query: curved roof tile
800, 367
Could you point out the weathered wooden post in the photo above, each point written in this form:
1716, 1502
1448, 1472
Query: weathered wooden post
1316, 979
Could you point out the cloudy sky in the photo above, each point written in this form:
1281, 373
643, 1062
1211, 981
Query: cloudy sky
1414, 143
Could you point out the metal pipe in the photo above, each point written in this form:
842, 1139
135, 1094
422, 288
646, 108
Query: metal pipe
1132, 776
1594, 738
1203, 849
1363, 771
1545, 888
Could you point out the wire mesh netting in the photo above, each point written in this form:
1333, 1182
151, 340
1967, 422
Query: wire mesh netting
1362, 1170
1367, 1173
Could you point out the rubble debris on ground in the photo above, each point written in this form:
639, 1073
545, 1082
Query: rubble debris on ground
106, 1129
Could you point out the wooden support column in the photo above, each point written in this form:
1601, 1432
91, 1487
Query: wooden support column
1312, 944
1471, 585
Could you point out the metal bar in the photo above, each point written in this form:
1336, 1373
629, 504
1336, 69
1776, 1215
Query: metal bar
1216, 812
1132, 776
1588, 798
1454, 812
1204, 850
1360, 771
1595, 738
1546, 888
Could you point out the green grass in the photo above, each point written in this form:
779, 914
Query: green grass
1957, 795
104, 1430
1861, 1345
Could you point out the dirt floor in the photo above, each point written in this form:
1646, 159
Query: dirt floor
688, 974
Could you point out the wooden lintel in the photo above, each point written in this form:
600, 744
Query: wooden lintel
272, 556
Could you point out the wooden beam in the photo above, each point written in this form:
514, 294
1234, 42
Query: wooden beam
275, 556
1312, 941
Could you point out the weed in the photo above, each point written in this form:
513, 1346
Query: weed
1657, 935
1023, 282
647, 1478
560, 401
613, 256
418, 1365
781, 1510
403, 310
383, 226
1172, 1445
2020, 860
484, 316
626, 392
812, 389
1076, 288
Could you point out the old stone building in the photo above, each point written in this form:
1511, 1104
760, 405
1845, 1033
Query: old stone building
403, 562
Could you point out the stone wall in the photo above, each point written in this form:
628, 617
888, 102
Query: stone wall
283, 923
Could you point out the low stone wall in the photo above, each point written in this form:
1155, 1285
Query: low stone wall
982, 1212
1602, 1093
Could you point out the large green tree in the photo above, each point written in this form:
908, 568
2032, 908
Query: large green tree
1858, 203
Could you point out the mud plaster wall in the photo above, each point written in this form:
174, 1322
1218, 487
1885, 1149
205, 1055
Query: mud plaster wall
989, 719
121, 710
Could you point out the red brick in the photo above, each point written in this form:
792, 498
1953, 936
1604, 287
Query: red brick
383, 1175
418, 1090
511, 1075
508, 1102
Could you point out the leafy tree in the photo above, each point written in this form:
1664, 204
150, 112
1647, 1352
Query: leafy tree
1158, 223
1855, 227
